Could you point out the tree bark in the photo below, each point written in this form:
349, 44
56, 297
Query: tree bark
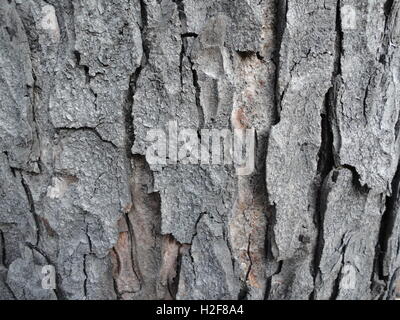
83, 81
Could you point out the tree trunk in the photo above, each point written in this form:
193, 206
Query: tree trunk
83, 81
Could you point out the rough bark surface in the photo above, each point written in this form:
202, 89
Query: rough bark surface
83, 81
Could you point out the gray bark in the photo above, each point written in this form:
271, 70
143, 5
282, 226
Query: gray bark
83, 81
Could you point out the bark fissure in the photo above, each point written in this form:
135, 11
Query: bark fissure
13, 170
325, 165
197, 87
31, 202
133, 253
365, 99
391, 9
3, 249
339, 41
129, 129
67, 130
282, 10
85, 281
184, 35
387, 225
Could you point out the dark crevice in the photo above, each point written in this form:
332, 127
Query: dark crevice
85, 68
365, 107
388, 7
189, 35
337, 82
88, 238
88, 129
145, 41
184, 35
3, 249
182, 15
77, 55
249, 54
397, 127
363, 188
40, 251
88, 77
13, 170
393, 288
115, 285
182, 55
143, 13
245, 54
281, 7
244, 291
339, 41
390, 11
326, 164
128, 112
259, 56
191, 241
198, 94
85, 291
387, 225
133, 83
326, 154
36, 91
85, 257
196, 225
268, 289
173, 286
270, 239
32, 208
296, 63
131, 234
11, 32
250, 259
10, 290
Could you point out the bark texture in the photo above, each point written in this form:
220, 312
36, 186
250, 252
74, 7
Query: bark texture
83, 81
